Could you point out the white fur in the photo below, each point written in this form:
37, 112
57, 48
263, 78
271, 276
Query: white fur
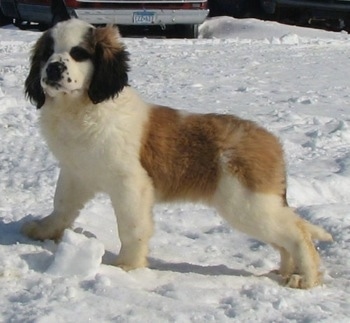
99, 154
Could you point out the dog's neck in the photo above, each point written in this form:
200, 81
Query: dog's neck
64, 101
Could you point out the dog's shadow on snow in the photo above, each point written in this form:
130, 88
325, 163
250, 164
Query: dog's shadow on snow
185, 268
10, 232
213, 270
36, 259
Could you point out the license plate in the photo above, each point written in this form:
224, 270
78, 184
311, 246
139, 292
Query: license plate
144, 17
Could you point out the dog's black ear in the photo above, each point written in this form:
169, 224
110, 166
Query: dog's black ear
110, 65
42, 50
59, 11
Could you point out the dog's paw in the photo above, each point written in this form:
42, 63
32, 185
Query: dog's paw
37, 230
299, 281
31, 230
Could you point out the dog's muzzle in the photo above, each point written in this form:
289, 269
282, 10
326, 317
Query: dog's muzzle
54, 72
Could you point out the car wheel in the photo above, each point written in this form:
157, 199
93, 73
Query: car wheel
190, 31
21, 24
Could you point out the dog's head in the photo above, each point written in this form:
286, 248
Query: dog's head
74, 58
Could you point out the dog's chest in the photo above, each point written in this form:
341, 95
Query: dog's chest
92, 145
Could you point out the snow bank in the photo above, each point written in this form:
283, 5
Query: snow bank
269, 31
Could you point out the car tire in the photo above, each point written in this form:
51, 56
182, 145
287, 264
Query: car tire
191, 31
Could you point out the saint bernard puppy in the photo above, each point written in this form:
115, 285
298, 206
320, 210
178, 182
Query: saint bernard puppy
108, 139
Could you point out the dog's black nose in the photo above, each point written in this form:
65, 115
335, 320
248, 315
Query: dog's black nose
54, 71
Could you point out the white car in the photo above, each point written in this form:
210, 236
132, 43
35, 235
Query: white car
185, 15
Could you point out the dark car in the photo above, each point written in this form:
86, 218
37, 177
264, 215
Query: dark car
310, 9
235, 8
185, 14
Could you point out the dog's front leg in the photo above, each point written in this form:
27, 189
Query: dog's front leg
70, 196
133, 203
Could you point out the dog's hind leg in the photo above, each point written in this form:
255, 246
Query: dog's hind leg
296, 239
264, 217
287, 265
133, 203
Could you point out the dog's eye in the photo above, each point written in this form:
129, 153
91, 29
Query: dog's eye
79, 54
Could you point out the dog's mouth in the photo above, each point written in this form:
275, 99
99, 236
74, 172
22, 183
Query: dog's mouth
54, 88
51, 86
54, 84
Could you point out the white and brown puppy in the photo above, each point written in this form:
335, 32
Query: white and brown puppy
107, 139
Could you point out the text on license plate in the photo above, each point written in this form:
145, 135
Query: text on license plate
144, 17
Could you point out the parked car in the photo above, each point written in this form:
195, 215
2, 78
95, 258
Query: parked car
184, 14
235, 8
310, 9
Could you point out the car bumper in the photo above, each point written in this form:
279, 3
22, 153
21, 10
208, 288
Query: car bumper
127, 16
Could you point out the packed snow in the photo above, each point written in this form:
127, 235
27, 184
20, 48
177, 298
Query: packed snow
293, 81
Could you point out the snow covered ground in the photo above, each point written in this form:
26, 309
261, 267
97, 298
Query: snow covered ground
292, 80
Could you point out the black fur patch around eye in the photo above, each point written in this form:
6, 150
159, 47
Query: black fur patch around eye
79, 54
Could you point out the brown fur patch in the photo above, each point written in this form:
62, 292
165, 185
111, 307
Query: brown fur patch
109, 38
185, 155
180, 155
255, 157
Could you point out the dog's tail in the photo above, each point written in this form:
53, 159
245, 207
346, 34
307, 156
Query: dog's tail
318, 233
